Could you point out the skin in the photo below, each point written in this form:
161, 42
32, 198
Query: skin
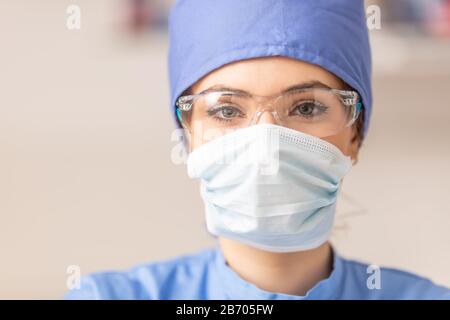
290, 273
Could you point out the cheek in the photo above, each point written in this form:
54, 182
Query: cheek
342, 141
193, 142
196, 139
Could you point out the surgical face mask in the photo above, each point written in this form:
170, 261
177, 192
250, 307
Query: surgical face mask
270, 187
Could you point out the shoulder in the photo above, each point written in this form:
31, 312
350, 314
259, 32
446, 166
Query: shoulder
370, 281
153, 280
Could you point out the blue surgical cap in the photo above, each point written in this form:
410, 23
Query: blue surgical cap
207, 34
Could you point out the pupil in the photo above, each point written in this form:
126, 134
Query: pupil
306, 108
227, 112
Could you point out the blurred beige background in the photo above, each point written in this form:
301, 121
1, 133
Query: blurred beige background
86, 176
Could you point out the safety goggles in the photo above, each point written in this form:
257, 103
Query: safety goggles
317, 111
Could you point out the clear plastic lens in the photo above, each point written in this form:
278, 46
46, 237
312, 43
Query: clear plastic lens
319, 112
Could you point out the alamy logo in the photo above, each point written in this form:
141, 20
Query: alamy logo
373, 17
74, 277
73, 21
374, 280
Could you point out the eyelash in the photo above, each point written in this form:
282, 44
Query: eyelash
322, 108
213, 111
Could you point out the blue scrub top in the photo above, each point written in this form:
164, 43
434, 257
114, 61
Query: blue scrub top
206, 275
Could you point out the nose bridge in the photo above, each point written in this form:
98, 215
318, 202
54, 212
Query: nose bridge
265, 111
266, 114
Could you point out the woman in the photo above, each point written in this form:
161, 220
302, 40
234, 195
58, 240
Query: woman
275, 99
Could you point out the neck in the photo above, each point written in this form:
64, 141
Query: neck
291, 273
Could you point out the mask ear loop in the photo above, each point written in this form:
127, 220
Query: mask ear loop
342, 218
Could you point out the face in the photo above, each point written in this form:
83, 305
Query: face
271, 75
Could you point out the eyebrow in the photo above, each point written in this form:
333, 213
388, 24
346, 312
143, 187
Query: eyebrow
304, 85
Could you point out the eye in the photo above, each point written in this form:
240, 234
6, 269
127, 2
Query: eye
308, 109
225, 112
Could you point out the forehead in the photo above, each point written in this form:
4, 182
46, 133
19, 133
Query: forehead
266, 75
